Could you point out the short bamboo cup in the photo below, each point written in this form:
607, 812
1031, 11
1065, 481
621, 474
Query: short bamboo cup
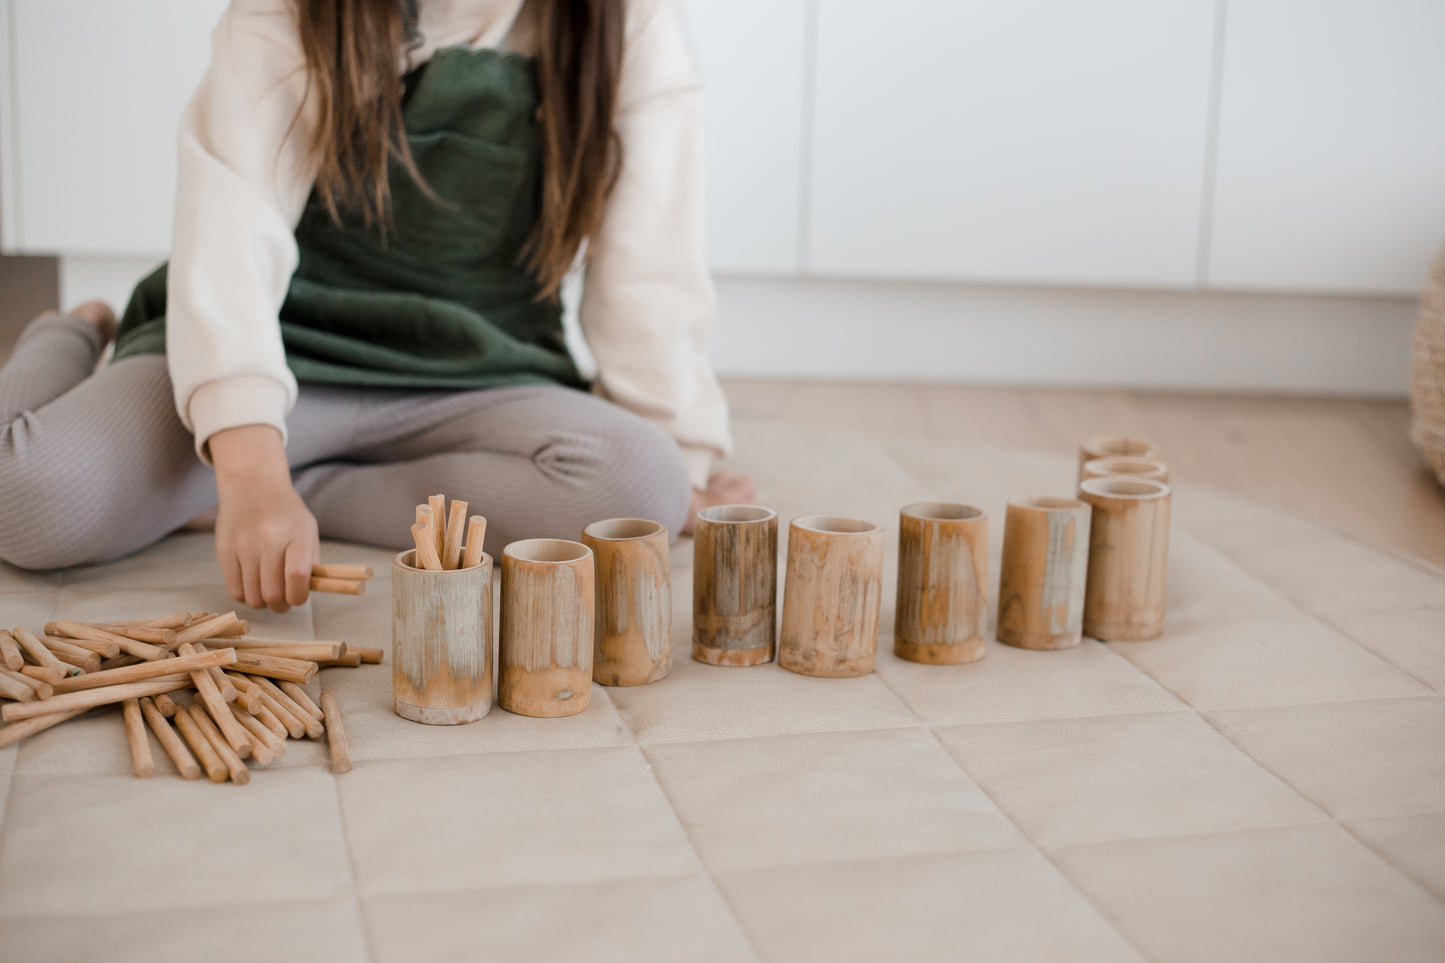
830, 600
1128, 555
633, 644
1041, 578
1108, 446
941, 615
1125, 465
441, 641
548, 620
735, 585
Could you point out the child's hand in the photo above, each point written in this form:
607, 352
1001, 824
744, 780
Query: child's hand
266, 537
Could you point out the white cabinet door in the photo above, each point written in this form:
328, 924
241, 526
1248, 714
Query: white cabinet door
750, 55
1331, 169
98, 91
1031, 141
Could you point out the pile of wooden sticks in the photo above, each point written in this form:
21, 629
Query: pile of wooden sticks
246, 693
439, 543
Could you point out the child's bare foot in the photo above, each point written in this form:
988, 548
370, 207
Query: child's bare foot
99, 314
723, 488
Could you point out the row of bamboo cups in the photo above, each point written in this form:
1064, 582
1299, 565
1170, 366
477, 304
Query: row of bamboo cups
599, 609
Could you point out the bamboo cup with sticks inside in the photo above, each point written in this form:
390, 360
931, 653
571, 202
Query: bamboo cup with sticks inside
1128, 556
1107, 446
1041, 578
1151, 468
833, 588
633, 644
441, 637
941, 615
735, 585
548, 621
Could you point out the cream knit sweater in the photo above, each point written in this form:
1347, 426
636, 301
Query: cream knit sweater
647, 298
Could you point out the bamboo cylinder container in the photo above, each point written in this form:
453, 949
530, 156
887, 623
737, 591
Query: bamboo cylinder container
735, 585
1151, 468
1041, 578
1128, 556
1107, 446
633, 639
941, 615
441, 638
833, 587
548, 620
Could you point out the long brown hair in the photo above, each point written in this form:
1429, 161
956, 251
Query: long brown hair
353, 49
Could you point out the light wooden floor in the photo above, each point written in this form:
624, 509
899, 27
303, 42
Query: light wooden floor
1347, 463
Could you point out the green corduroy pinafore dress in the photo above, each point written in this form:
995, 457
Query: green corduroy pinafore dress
443, 301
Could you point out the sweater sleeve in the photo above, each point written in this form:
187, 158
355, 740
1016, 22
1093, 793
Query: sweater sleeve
242, 182
647, 299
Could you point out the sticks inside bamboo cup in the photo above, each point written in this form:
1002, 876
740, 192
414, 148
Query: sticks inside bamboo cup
1106, 446
941, 615
441, 638
1041, 579
633, 637
735, 585
135, 735
833, 589
1128, 556
1151, 468
548, 620
476, 538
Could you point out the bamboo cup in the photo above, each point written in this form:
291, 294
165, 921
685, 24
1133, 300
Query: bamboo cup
941, 615
441, 637
1128, 556
735, 585
1041, 582
633, 644
548, 620
1151, 468
1106, 446
831, 595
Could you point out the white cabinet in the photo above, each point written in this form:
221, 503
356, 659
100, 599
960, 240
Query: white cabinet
1032, 141
98, 88
749, 54
1331, 163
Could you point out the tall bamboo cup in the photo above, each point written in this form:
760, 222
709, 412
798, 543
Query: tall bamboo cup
1107, 446
831, 597
548, 620
441, 636
941, 614
1128, 556
1041, 582
735, 585
633, 644
1151, 468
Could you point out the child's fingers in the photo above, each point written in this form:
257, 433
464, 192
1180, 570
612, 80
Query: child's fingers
231, 572
251, 580
273, 579
300, 556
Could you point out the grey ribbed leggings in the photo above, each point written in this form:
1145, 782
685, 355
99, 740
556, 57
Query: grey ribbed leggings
94, 466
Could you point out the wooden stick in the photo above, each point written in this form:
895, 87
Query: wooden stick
166, 705
452, 539
42, 689
223, 684
206, 629
175, 620
276, 667
147, 670
235, 768
10, 652
335, 734
369, 656
338, 586
106, 650
348, 660
301, 698
260, 735
142, 633
38, 653
11, 688
362, 572
135, 735
79, 630
262, 712
83, 659
438, 506
300, 651
49, 674
426, 553
309, 723
476, 536
16, 731
210, 759
109, 695
294, 726
247, 699
170, 742
241, 627
211, 696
